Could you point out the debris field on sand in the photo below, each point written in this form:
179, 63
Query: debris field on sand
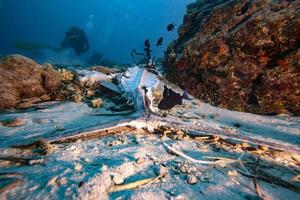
126, 162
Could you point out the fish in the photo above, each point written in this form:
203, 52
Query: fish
170, 27
147, 43
171, 99
159, 41
34, 46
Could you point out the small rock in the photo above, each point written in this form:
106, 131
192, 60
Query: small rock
118, 179
245, 145
160, 171
78, 98
232, 173
104, 168
97, 103
41, 121
90, 93
184, 169
166, 178
156, 163
79, 141
296, 157
78, 167
80, 184
72, 148
14, 122
264, 148
180, 112
52, 181
115, 142
62, 181
180, 197
237, 125
59, 127
191, 179
95, 148
198, 174
140, 160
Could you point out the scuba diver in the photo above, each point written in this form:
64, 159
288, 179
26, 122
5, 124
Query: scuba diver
76, 39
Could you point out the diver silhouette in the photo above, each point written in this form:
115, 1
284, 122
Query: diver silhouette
76, 39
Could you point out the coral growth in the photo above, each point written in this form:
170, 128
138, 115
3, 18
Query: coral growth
240, 55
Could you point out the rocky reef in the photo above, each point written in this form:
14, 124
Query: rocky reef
22, 81
240, 55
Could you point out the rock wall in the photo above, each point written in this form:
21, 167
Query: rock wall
240, 54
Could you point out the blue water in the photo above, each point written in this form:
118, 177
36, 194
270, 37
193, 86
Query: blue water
113, 27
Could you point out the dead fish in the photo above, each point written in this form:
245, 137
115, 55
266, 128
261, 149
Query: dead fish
170, 27
171, 99
159, 41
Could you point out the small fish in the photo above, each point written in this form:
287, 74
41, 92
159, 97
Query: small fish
170, 27
147, 44
159, 41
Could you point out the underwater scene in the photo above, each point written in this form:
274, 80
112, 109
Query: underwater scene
150, 99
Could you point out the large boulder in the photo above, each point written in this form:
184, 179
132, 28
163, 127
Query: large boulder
21, 78
240, 54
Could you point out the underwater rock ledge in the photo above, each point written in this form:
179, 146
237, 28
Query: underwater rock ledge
240, 55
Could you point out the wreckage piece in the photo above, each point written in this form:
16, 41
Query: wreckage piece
21, 161
134, 185
11, 185
263, 175
203, 162
123, 113
137, 80
111, 86
93, 134
44, 146
91, 78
